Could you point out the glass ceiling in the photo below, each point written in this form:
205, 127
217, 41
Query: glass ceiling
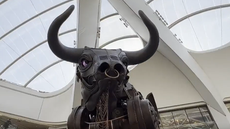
26, 60
200, 24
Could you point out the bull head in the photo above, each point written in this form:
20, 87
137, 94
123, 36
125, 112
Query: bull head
101, 69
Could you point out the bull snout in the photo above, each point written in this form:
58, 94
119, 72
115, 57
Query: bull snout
111, 70
112, 73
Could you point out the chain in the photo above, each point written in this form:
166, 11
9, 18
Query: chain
102, 111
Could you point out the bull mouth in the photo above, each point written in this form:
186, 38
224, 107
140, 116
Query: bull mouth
114, 74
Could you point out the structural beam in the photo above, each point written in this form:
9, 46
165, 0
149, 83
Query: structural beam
87, 34
88, 22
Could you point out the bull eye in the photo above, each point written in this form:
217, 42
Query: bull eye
85, 63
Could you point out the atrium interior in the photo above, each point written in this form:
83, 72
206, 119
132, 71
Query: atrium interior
188, 75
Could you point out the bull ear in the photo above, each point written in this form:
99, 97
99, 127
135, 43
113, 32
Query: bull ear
150, 48
61, 51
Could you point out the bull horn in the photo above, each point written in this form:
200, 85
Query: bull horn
150, 48
60, 50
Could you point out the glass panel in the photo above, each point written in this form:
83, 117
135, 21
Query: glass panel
35, 61
191, 118
208, 33
23, 39
26, 36
207, 118
188, 39
195, 118
41, 84
225, 30
204, 31
12, 13
68, 39
181, 120
1, 30
106, 8
167, 120
202, 109
41, 5
112, 28
19, 73
40, 57
195, 5
54, 78
70, 23
7, 55
172, 10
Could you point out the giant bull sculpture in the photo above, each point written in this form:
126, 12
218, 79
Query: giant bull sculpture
108, 100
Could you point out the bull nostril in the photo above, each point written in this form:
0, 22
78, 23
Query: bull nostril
112, 73
103, 67
119, 68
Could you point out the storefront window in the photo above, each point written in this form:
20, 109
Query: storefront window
167, 120
181, 119
191, 118
195, 118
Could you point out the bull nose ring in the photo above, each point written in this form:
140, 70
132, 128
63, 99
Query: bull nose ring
112, 76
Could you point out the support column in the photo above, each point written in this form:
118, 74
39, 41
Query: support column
87, 34
177, 54
88, 22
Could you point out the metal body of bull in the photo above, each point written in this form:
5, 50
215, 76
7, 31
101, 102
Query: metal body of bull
108, 100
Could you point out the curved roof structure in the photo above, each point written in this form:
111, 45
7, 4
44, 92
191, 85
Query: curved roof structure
200, 25
26, 60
